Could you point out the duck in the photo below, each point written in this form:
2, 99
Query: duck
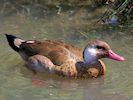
58, 57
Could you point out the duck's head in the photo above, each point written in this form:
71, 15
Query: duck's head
98, 49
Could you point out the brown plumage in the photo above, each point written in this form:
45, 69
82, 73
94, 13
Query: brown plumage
58, 52
64, 59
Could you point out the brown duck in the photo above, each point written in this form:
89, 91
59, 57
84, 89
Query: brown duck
63, 59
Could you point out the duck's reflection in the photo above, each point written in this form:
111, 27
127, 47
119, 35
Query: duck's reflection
90, 88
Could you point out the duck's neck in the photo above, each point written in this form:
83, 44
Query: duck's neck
90, 56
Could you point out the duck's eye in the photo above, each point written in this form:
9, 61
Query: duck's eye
100, 47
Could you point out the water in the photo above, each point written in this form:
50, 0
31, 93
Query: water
18, 83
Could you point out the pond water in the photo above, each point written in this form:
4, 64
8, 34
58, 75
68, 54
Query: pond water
18, 83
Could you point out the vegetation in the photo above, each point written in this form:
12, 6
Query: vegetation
123, 9
120, 9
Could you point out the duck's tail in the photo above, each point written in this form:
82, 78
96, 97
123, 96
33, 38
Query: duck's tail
14, 42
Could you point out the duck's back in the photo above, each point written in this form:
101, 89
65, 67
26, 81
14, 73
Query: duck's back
57, 51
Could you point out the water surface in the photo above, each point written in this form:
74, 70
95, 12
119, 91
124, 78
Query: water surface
17, 82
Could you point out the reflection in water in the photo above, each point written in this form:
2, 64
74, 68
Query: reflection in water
17, 83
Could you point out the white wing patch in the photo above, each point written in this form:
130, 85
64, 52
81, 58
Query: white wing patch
18, 42
30, 41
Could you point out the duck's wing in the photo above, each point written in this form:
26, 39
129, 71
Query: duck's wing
55, 51
75, 50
